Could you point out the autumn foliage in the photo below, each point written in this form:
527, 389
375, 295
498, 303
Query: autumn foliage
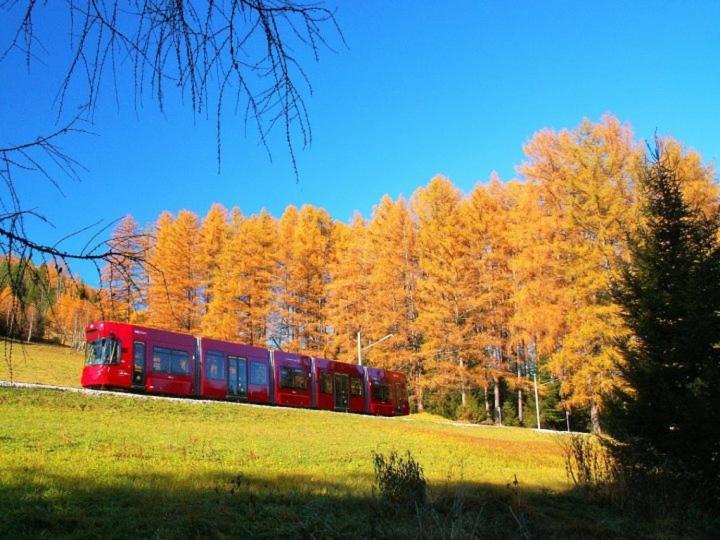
479, 290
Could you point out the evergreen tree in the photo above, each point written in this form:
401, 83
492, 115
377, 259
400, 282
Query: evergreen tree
669, 415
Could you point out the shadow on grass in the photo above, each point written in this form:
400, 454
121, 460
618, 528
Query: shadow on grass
35, 503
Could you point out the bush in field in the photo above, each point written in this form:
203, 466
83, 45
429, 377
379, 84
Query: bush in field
509, 413
400, 480
442, 403
590, 466
472, 411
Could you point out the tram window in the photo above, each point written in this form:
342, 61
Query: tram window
356, 386
139, 353
258, 373
294, 378
380, 391
286, 380
102, 351
215, 365
232, 378
170, 361
300, 379
326, 383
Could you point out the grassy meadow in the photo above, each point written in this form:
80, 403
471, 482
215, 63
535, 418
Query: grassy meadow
41, 363
82, 465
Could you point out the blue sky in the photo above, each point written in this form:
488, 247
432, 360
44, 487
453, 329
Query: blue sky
423, 88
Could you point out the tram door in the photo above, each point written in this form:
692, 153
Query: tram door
342, 392
138, 374
237, 377
398, 398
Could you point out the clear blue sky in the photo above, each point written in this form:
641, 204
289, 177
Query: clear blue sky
423, 88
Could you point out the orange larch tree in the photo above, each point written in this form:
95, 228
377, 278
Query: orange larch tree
393, 293
586, 178
302, 279
240, 307
312, 254
75, 307
348, 308
214, 233
283, 317
159, 307
539, 302
124, 279
486, 281
174, 300
444, 305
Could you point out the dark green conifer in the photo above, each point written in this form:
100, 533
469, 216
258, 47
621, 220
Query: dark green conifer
669, 418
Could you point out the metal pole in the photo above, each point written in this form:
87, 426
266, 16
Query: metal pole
359, 347
378, 341
537, 401
567, 419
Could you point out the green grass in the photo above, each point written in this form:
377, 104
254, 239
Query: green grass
41, 363
104, 466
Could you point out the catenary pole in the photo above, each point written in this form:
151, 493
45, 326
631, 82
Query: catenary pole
360, 348
537, 401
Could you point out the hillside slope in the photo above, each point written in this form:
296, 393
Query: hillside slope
40, 363
85, 465
108, 466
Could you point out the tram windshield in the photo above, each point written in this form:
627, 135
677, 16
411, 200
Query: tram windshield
102, 351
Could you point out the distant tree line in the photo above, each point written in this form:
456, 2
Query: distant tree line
41, 302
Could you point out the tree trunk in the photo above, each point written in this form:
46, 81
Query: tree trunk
463, 390
128, 313
520, 405
419, 396
30, 329
595, 418
75, 339
7, 319
487, 402
498, 413
520, 397
11, 324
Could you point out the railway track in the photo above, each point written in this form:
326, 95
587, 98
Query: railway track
189, 400
205, 402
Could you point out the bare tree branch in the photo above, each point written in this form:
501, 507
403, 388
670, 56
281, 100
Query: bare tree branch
249, 52
205, 49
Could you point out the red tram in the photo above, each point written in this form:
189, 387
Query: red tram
124, 356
